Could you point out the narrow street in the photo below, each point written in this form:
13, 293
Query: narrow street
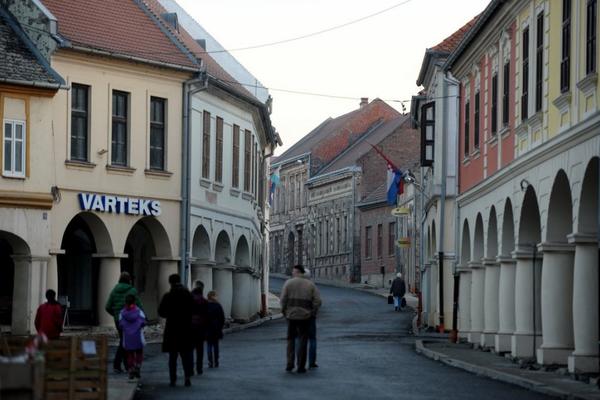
364, 351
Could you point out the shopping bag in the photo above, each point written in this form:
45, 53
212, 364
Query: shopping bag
390, 299
403, 303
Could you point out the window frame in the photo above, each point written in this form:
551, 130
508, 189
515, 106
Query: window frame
591, 32
80, 114
565, 62
525, 75
12, 173
235, 176
247, 160
506, 94
368, 242
467, 139
494, 105
219, 124
425, 142
391, 238
539, 62
476, 120
157, 125
206, 116
379, 241
120, 120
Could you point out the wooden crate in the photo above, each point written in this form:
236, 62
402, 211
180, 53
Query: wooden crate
69, 373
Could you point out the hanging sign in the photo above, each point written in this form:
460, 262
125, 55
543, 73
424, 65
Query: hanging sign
403, 243
399, 211
119, 205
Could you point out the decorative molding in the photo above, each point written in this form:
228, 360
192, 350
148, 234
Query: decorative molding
120, 170
81, 165
205, 183
14, 199
217, 187
158, 174
588, 84
563, 102
234, 192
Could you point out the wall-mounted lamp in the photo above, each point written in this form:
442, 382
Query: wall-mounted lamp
524, 184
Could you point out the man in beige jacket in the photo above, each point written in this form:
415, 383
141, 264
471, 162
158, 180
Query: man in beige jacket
300, 300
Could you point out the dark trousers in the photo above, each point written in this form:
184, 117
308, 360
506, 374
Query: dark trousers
186, 361
120, 358
297, 329
212, 347
199, 346
312, 342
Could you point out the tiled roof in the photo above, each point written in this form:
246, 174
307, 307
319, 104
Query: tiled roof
18, 62
377, 195
451, 42
119, 27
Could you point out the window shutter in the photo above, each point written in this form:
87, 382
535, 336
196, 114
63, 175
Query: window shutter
427, 133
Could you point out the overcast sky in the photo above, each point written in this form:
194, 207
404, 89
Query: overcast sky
378, 57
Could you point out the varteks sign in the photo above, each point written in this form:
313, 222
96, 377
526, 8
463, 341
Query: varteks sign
118, 204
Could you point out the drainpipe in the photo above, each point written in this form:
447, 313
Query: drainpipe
423, 291
189, 89
353, 223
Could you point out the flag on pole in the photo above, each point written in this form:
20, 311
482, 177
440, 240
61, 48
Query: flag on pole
395, 179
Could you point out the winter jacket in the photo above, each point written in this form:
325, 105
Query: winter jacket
116, 300
132, 320
215, 321
300, 299
176, 307
199, 314
48, 320
398, 288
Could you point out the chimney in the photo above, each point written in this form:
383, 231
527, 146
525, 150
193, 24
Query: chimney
364, 101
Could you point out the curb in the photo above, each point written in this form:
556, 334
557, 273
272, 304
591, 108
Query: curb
253, 324
496, 375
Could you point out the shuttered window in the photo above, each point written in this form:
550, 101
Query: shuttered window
79, 122
219, 151
120, 127
157, 133
206, 145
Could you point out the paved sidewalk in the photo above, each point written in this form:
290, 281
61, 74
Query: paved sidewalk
496, 367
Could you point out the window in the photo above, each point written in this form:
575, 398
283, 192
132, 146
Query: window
327, 243
476, 117
79, 122
565, 62
206, 145
427, 133
368, 242
235, 176
247, 159
391, 238
494, 104
14, 148
539, 61
292, 193
467, 125
590, 38
505, 93
157, 133
338, 235
120, 114
379, 241
219, 150
525, 80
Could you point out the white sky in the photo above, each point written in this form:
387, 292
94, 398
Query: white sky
378, 57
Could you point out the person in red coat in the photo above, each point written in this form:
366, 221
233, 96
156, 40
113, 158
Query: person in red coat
48, 319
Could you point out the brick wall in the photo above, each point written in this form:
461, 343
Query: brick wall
371, 267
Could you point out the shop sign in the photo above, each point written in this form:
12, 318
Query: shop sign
403, 243
399, 211
119, 204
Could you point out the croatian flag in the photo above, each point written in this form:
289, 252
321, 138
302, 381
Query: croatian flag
395, 184
274, 182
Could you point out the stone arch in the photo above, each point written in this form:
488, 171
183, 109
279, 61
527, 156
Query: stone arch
465, 248
492, 235
587, 221
11, 245
242, 253
201, 244
223, 249
159, 236
508, 229
428, 245
529, 221
560, 210
478, 239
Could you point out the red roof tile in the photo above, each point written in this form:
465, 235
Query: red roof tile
116, 26
212, 67
449, 44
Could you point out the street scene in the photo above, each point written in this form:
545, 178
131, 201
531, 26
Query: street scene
340, 199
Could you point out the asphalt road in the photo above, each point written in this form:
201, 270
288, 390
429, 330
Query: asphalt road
364, 352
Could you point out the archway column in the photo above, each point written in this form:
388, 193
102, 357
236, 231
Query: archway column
425, 288
166, 268
477, 299
433, 294
243, 294
52, 271
490, 302
108, 277
524, 339
585, 304
27, 292
223, 285
506, 304
203, 272
464, 302
557, 306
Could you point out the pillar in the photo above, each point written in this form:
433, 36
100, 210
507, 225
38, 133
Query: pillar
585, 304
506, 304
204, 273
22, 297
490, 303
524, 340
52, 274
464, 303
557, 303
477, 298
425, 293
433, 295
108, 277
223, 285
166, 268
243, 296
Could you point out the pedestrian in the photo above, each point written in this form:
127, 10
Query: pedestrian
132, 321
199, 318
312, 336
176, 307
300, 301
114, 305
48, 318
214, 329
398, 289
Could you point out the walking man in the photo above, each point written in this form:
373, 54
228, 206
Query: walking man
176, 307
114, 305
398, 289
199, 320
300, 301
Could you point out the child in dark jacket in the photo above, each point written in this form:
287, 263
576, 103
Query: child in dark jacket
132, 320
214, 328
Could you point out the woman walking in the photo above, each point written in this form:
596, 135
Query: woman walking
131, 321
